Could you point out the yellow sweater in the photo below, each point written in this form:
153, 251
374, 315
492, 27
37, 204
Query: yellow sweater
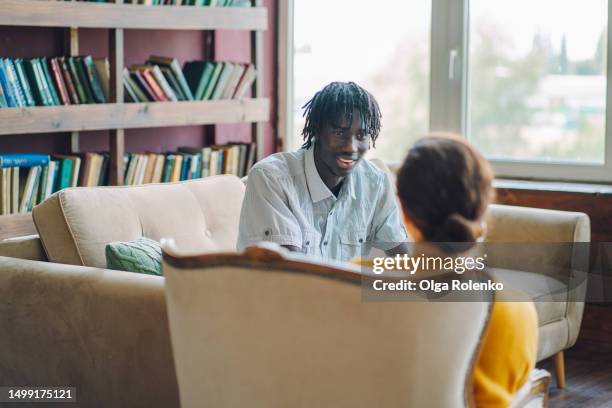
508, 353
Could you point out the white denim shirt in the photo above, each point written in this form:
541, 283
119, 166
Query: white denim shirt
287, 202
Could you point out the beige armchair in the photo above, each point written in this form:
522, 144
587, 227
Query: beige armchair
559, 316
271, 329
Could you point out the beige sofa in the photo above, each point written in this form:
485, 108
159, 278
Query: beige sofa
68, 321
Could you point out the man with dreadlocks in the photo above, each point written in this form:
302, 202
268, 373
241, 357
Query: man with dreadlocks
325, 199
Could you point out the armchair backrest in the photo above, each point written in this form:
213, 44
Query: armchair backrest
271, 329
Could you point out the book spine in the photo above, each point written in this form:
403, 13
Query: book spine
144, 85
80, 70
47, 74
11, 74
74, 96
94, 81
77, 80
161, 81
59, 81
23, 160
4, 83
178, 72
42, 81
159, 94
23, 80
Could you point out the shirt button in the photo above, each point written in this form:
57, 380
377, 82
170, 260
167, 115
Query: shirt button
267, 232
331, 212
360, 240
307, 242
325, 243
208, 233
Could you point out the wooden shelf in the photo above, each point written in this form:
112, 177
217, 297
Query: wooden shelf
131, 16
131, 115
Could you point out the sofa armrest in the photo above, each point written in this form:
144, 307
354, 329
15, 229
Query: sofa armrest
27, 247
104, 332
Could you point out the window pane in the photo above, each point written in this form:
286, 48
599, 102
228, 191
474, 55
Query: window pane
537, 84
382, 46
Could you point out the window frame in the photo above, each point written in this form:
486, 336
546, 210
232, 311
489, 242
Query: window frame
449, 105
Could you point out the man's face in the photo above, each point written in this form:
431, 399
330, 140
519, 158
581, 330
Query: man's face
341, 145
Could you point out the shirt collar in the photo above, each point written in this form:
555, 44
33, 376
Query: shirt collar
317, 188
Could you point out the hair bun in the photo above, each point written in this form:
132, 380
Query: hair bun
457, 228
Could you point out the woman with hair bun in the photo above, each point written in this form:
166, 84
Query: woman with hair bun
445, 186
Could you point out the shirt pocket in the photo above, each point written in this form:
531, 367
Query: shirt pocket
352, 244
310, 242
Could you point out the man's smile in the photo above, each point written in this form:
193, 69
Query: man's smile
346, 162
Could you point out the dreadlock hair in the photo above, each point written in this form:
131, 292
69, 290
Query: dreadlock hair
337, 100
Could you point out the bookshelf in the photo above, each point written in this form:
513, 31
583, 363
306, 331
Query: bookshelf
117, 116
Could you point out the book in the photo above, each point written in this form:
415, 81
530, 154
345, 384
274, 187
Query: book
197, 74
23, 80
148, 172
23, 160
64, 175
228, 68
3, 102
103, 70
141, 96
214, 77
70, 86
77, 80
158, 169
13, 82
42, 82
130, 93
33, 198
48, 79
59, 81
173, 64
174, 83
92, 79
6, 88
28, 190
143, 84
176, 168
5, 191
249, 76
169, 164
233, 81
84, 79
14, 190
150, 80
164, 85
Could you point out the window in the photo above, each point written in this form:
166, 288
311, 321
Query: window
383, 46
525, 81
537, 80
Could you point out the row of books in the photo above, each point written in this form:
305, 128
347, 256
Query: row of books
189, 163
161, 79
210, 3
28, 179
53, 81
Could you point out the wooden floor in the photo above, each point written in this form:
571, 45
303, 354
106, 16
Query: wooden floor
588, 370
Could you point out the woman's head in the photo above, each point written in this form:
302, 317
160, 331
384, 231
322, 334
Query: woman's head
444, 186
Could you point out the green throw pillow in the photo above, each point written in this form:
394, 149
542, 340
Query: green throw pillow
141, 255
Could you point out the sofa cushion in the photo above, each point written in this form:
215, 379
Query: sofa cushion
142, 255
202, 215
